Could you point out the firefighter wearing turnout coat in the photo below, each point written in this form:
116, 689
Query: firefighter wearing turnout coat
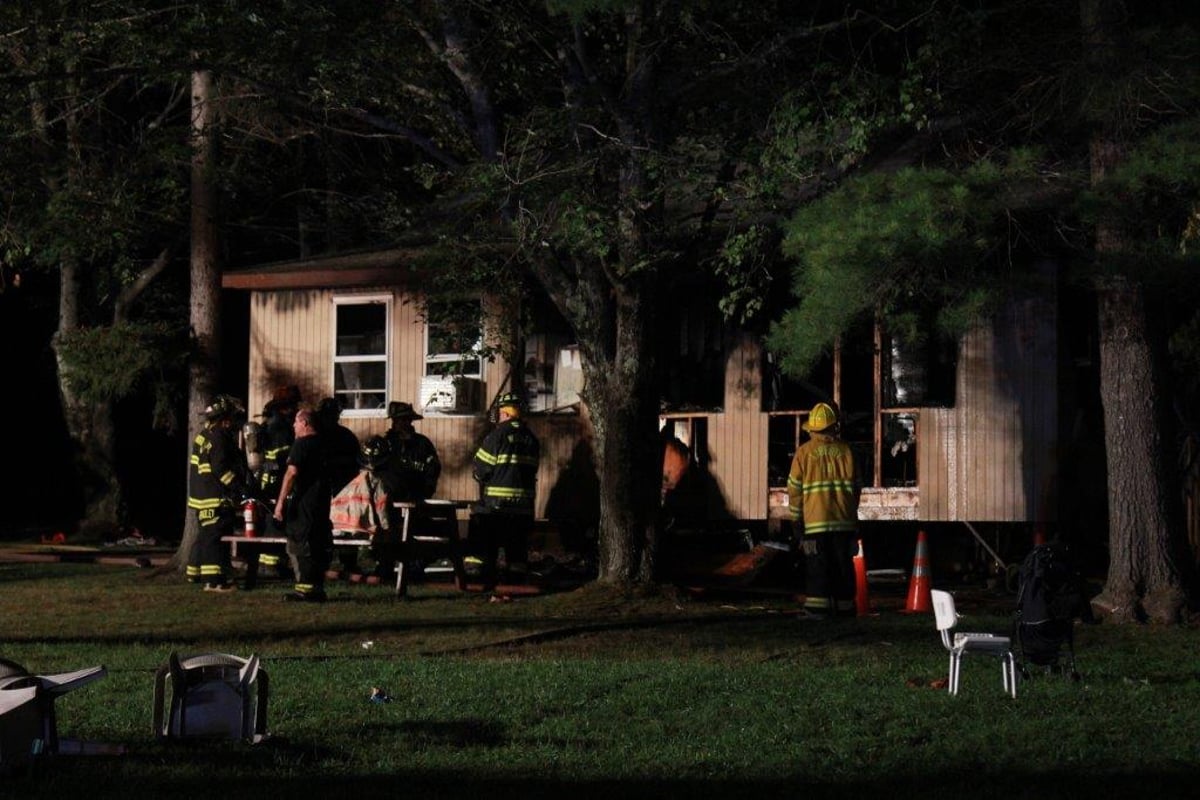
216, 486
823, 496
505, 465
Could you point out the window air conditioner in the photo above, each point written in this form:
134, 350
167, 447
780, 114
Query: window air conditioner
448, 394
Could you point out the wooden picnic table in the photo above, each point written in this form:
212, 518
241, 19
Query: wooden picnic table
431, 531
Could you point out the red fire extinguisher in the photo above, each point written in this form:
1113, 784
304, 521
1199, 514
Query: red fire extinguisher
249, 514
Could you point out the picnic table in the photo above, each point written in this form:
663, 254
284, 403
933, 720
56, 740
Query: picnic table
427, 529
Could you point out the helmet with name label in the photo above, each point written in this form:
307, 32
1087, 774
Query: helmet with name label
822, 417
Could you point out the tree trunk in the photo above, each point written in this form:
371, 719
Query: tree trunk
205, 308
1143, 577
90, 426
623, 403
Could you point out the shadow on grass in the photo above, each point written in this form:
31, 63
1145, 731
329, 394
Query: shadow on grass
256, 774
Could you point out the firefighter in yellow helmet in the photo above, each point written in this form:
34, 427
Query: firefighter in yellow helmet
823, 493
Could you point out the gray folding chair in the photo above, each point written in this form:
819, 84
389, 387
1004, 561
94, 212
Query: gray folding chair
960, 644
28, 722
213, 695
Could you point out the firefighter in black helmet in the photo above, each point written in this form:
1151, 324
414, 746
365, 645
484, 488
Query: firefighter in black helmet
216, 487
505, 465
277, 436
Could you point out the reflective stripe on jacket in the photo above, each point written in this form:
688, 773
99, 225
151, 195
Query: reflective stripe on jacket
822, 489
215, 474
506, 466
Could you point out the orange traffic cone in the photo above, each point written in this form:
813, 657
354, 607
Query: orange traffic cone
862, 602
919, 598
1039, 535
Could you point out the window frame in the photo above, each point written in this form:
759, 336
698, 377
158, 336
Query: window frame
428, 358
387, 301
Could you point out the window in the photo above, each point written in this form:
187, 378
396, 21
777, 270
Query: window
360, 353
454, 339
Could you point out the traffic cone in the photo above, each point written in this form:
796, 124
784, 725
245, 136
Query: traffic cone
919, 598
862, 602
1039, 535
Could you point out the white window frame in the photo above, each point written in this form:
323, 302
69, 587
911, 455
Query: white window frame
451, 358
386, 300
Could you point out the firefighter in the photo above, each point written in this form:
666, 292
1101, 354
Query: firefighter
216, 488
823, 496
413, 468
276, 436
505, 465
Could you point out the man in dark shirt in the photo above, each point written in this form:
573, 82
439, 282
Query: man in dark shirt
303, 509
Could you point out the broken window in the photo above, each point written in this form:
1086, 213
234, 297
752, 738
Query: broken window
360, 352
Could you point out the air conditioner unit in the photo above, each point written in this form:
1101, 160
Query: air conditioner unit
449, 394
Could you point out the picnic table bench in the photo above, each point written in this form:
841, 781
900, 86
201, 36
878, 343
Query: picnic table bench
428, 528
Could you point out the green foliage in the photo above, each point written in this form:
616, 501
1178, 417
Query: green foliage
108, 363
1151, 198
745, 266
899, 245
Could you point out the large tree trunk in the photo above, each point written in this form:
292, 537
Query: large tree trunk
205, 308
1143, 577
623, 403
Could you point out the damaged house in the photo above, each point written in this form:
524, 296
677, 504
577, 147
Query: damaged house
971, 433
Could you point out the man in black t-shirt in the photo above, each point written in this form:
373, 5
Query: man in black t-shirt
303, 509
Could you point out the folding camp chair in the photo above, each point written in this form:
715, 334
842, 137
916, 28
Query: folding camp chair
28, 722
211, 695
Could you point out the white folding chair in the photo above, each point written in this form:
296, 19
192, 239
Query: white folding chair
960, 644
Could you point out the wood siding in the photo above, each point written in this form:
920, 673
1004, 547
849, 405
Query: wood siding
989, 458
291, 342
992, 457
738, 436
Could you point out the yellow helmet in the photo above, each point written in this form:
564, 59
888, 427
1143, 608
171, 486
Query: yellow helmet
820, 418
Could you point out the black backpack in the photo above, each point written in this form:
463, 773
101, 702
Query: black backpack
1051, 596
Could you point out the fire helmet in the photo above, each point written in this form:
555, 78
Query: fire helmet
224, 406
820, 418
510, 400
375, 452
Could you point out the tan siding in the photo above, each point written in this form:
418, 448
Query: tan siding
408, 348
991, 457
738, 437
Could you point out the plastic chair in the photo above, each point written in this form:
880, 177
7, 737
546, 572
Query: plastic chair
211, 695
960, 644
28, 722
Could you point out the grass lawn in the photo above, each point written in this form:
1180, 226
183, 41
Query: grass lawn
590, 694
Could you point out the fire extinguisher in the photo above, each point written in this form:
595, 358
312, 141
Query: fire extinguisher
249, 514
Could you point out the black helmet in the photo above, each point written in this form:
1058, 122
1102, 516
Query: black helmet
375, 451
510, 400
224, 406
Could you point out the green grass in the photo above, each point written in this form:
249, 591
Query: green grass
589, 694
